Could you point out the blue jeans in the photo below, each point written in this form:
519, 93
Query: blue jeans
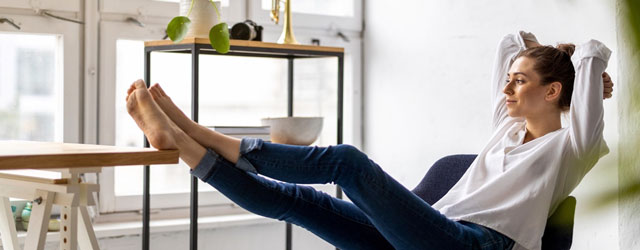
383, 215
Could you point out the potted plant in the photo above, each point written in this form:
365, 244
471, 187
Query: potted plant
218, 34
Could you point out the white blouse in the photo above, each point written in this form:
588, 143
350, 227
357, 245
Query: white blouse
513, 187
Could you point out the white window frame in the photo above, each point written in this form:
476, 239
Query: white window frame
71, 63
110, 32
235, 11
155, 15
303, 20
57, 5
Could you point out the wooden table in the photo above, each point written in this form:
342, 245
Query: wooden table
70, 160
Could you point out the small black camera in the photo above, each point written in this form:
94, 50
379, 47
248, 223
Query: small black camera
247, 30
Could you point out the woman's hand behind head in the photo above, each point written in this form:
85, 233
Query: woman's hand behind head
608, 86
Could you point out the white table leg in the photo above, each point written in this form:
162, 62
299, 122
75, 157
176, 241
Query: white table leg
69, 215
68, 228
7, 226
39, 221
86, 236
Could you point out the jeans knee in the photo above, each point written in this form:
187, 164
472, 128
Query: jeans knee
350, 153
351, 159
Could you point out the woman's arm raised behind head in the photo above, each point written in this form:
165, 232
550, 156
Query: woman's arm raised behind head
586, 112
508, 48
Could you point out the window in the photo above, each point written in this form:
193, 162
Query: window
326, 15
236, 94
48, 53
39, 66
224, 3
338, 8
121, 187
58, 5
231, 10
129, 66
30, 84
232, 92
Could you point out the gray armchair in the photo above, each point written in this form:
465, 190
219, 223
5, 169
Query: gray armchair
447, 171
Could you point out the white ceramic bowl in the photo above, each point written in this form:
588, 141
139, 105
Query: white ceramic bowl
294, 130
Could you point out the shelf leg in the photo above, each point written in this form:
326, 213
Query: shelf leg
145, 178
195, 94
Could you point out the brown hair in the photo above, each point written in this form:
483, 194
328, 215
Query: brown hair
554, 65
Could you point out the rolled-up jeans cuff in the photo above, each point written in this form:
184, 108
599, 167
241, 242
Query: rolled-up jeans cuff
205, 167
247, 145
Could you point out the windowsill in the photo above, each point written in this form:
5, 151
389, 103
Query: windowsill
112, 229
119, 229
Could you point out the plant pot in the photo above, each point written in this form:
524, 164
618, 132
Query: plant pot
203, 17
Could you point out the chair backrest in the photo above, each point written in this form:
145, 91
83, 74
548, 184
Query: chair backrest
446, 172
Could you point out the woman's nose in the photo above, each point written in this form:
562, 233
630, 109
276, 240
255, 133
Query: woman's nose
507, 89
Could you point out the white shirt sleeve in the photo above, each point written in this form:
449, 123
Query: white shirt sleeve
586, 112
508, 49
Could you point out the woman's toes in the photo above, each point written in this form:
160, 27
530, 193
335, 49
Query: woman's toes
129, 91
156, 92
131, 103
153, 91
160, 90
139, 84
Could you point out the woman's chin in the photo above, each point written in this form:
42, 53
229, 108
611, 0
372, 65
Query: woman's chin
514, 115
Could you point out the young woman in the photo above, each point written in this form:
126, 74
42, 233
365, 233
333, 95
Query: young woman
528, 166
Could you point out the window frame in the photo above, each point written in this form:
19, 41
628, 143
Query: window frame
110, 27
303, 20
235, 11
57, 5
110, 32
70, 61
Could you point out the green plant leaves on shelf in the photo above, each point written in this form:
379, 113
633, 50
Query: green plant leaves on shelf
177, 28
219, 37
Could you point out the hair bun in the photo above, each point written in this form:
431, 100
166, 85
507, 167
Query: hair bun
568, 48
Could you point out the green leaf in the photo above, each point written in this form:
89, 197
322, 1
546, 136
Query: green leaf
177, 28
219, 38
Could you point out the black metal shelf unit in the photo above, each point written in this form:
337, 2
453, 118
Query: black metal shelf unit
196, 47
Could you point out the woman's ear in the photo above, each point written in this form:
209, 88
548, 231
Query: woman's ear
553, 91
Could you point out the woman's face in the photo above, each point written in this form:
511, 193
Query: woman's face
524, 92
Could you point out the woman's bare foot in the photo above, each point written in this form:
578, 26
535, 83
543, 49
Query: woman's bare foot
226, 146
153, 122
171, 109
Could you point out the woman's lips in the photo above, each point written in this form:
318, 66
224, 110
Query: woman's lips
511, 102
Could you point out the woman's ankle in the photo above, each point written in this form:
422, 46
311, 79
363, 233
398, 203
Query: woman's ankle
191, 128
190, 150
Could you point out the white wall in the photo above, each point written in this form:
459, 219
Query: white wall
427, 76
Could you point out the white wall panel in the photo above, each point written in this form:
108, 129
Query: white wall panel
426, 84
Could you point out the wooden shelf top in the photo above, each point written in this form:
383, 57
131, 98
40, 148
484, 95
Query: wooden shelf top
253, 44
41, 155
